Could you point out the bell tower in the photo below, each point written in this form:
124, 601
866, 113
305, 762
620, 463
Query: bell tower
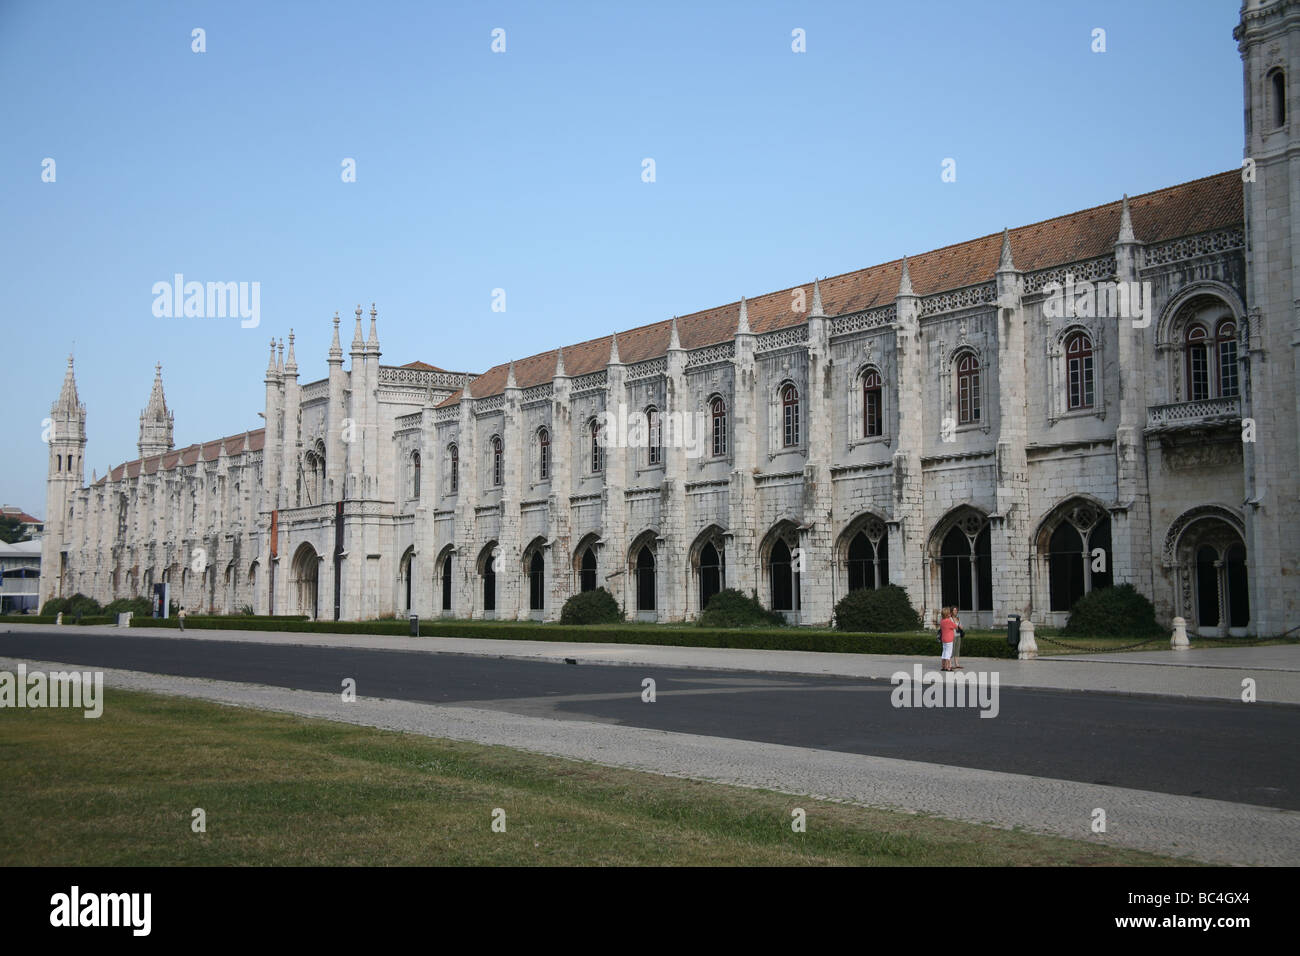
1268, 39
155, 421
66, 434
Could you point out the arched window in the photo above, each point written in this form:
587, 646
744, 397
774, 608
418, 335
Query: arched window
498, 475
968, 389
543, 454
536, 582
415, 474
453, 470
656, 455
489, 561
446, 583
784, 578
1079, 370
597, 452
1225, 338
587, 577
1277, 81
1198, 363
873, 420
789, 416
869, 559
645, 579
711, 573
718, 408
966, 568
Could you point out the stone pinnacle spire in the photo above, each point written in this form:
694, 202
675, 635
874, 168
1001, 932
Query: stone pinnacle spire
68, 401
674, 341
357, 343
155, 421
270, 365
817, 299
1005, 263
372, 343
1125, 224
336, 348
279, 359
510, 376
291, 363
742, 323
559, 363
905, 282
613, 350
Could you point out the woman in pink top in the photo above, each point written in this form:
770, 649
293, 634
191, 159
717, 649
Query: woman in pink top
947, 633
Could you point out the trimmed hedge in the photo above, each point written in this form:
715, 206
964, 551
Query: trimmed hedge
591, 607
69, 619
886, 609
731, 608
681, 635
1120, 611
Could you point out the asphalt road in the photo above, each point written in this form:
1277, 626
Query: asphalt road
1217, 750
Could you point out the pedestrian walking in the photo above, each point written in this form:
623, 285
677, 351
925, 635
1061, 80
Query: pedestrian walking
180, 616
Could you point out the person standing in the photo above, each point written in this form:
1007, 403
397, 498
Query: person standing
947, 634
958, 633
180, 616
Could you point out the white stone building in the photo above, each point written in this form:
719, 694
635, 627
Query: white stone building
1003, 424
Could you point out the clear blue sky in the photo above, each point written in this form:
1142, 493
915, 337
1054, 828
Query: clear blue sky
522, 170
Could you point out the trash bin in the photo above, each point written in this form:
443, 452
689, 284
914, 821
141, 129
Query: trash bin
1013, 630
415, 625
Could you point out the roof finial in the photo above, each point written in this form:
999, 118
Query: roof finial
817, 299
1125, 224
1004, 260
559, 363
357, 343
674, 341
270, 366
336, 350
613, 350
742, 323
291, 363
279, 360
373, 341
510, 376
905, 281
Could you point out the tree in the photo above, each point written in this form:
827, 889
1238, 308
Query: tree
12, 530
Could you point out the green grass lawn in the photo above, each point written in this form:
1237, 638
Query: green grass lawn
284, 790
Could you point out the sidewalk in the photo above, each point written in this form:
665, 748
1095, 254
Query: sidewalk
1215, 673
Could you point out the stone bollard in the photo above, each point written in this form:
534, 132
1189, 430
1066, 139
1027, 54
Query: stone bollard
1178, 640
124, 619
58, 618
1028, 649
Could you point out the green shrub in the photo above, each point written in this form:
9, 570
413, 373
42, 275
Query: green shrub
137, 606
730, 608
591, 607
882, 610
245, 610
71, 607
1120, 611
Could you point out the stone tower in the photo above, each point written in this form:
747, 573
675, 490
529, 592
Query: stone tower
1268, 38
155, 421
66, 432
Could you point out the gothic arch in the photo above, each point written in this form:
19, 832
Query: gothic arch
959, 552
1205, 547
444, 583
850, 554
487, 565
707, 559
1197, 296
1072, 552
304, 578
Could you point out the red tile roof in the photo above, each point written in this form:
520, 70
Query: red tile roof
1201, 205
209, 451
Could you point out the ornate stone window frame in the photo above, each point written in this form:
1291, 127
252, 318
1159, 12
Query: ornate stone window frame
857, 407
1058, 375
